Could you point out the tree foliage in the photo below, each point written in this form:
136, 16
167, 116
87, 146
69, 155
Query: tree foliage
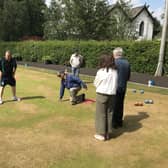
54, 24
121, 21
20, 18
81, 19
88, 19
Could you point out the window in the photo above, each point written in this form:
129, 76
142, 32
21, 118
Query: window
141, 29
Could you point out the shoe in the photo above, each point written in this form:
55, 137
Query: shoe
83, 97
73, 103
1, 102
99, 137
16, 98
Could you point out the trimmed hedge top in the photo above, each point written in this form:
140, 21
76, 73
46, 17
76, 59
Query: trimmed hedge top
143, 56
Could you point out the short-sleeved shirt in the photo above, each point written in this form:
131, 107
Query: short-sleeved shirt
7, 67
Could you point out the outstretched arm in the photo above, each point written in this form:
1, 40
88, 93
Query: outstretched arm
78, 80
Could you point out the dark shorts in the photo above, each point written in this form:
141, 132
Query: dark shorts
8, 81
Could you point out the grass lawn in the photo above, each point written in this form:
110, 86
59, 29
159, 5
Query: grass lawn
41, 132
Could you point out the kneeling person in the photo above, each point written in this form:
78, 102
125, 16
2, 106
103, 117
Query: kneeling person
7, 75
73, 84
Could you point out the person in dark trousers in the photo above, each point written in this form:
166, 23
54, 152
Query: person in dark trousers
123, 68
7, 75
106, 88
72, 83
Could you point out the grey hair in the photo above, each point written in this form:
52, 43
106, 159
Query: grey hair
119, 51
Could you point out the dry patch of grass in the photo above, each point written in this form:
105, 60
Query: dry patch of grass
52, 134
27, 108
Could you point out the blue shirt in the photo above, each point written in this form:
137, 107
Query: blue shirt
124, 71
70, 82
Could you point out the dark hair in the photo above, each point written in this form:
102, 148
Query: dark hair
106, 61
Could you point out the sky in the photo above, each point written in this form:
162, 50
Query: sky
156, 6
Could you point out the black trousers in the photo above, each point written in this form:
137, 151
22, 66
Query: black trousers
118, 108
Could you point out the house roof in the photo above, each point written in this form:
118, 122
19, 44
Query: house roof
117, 5
136, 11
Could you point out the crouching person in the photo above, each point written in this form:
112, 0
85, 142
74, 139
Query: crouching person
72, 83
106, 87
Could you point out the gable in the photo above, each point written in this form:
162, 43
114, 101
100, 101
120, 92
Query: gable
143, 15
143, 10
118, 12
134, 13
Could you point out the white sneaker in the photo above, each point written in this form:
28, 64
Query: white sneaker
99, 137
16, 99
1, 102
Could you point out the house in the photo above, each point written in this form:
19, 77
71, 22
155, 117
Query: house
140, 18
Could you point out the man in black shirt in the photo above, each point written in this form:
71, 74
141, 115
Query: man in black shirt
7, 75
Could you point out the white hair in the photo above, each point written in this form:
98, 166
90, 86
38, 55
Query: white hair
118, 51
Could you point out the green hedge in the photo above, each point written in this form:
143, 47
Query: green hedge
143, 56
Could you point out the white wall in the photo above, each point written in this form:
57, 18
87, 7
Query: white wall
148, 25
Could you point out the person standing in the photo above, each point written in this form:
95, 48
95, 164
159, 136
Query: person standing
106, 88
76, 61
8, 67
123, 68
72, 83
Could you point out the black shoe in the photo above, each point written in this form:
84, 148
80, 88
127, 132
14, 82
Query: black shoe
83, 97
73, 103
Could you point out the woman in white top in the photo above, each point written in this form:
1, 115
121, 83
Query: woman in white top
106, 87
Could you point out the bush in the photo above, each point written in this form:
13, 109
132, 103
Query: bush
47, 59
143, 56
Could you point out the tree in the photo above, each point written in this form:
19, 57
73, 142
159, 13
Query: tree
35, 11
159, 70
157, 28
102, 21
54, 24
121, 22
84, 20
12, 17
20, 18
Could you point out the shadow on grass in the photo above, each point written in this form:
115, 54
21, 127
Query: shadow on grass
26, 98
131, 123
32, 97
